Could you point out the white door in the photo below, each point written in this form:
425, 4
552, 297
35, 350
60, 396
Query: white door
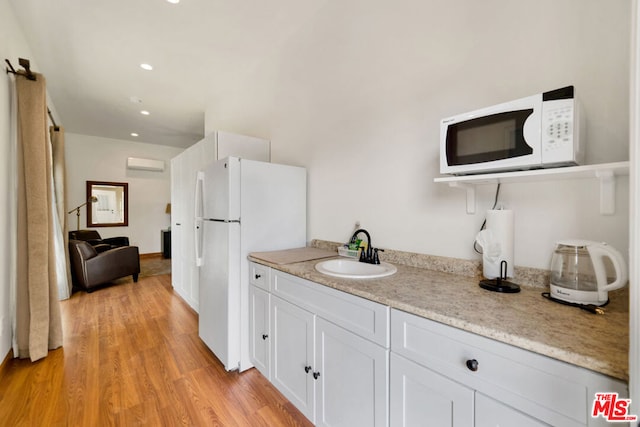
274, 206
421, 397
221, 190
177, 203
259, 330
292, 354
218, 320
351, 378
190, 270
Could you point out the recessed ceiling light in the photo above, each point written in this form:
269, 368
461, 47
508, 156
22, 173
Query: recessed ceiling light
174, 1
134, 134
147, 67
145, 112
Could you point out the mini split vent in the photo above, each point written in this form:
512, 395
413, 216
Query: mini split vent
145, 164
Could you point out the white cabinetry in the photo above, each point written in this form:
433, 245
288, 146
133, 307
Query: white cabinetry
259, 318
184, 272
421, 397
491, 413
259, 302
508, 384
329, 355
329, 351
184, 167
351, 378
292, 361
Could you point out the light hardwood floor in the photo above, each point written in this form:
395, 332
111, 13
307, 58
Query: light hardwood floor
132, 356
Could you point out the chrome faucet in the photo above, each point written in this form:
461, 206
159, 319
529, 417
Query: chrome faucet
370, 255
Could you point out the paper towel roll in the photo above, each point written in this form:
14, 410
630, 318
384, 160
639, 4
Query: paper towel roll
500, 222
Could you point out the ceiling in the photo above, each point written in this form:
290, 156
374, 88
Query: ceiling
203, 52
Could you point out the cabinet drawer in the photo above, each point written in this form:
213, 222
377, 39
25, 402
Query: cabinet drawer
259, 275
358, 315
556, 392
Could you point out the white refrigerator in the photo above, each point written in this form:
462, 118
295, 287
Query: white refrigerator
241, 206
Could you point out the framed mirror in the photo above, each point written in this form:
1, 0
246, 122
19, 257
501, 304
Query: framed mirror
108, 204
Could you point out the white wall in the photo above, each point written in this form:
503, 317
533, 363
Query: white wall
91, 158
359, 90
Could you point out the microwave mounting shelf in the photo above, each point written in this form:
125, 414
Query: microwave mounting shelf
605, 172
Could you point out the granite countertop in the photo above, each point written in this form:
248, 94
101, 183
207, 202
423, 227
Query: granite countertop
525, 319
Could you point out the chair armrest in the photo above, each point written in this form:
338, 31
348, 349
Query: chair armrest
117, 241
121, 254
101, 247
82, 250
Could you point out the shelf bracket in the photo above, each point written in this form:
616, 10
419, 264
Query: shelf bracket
471, 195
607, 191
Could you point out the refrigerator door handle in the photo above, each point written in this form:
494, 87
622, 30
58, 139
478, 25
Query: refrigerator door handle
198, 212
198, 206
198, 241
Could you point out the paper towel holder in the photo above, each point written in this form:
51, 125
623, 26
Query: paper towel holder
500, 284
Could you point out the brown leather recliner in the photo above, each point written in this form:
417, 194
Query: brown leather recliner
90, 269
94, 238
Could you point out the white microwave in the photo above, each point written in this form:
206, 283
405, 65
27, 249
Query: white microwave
538, 131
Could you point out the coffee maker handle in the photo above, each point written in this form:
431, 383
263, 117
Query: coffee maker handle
598, 253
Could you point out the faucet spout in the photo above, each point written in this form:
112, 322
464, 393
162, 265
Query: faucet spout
365, 256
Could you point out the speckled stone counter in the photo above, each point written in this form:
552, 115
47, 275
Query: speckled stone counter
526, 319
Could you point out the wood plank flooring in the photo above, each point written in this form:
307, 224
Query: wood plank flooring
132, 357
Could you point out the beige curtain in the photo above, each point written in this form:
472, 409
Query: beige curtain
60, 191
38, 321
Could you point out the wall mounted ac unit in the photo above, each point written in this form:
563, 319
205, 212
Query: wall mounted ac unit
145, 164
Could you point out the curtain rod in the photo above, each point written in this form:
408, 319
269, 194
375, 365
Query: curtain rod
26, 64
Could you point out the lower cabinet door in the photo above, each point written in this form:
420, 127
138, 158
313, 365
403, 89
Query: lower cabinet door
421, 397
491, 413
259, 347
351, 378
292, 342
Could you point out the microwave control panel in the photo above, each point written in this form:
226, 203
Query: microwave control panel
558, 131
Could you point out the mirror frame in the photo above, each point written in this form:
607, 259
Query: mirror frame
125, 196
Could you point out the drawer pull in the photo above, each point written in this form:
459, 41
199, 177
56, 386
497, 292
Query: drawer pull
258, 276
316, 375
265, 336
307, 369
472, 364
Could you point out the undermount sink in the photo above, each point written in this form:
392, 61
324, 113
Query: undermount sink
350, 269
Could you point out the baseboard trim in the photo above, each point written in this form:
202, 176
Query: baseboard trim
151, 255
